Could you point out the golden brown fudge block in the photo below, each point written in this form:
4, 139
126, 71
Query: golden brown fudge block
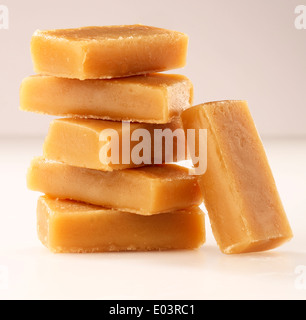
148, 190
239, 190
107, 145
107, 52
155, 98
70, 227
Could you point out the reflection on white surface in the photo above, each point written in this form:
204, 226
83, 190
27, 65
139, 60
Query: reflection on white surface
35, 273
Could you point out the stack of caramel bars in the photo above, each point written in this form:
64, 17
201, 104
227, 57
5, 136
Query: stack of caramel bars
109, 169
102, 195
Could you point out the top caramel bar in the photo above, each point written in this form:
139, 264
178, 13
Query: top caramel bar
107, 52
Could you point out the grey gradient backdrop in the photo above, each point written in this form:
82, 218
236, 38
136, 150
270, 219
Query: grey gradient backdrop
239, 49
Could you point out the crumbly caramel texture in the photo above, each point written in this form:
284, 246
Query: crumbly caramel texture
107, 52
239, 190
154, 98
72, 227
79, 142
146, 191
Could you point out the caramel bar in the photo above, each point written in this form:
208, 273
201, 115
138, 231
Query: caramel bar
239, 190
148, 190
70, 227
108, 145
107, 52
155, 98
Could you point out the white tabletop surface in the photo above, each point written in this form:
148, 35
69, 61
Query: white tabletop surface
29, 271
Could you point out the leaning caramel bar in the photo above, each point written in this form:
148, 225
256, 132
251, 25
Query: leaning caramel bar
71, 227
107, 52
239, 190
108, 145
147, 191
154, 98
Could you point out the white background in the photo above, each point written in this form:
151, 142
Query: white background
239, 49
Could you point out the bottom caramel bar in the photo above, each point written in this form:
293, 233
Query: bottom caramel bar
72, 227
